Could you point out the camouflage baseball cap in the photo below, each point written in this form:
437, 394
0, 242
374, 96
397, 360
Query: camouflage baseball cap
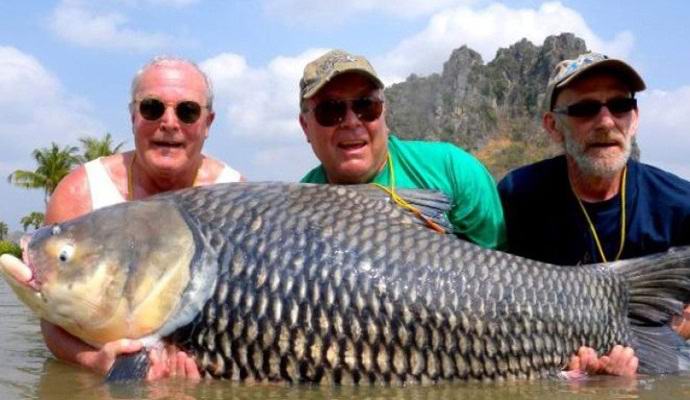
320, 71
568, 70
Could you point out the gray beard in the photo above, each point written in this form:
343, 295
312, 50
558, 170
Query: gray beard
596, 166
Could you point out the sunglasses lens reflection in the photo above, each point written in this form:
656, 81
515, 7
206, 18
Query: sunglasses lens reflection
151, 109
621, 105
367, 109
332, 112
186, 111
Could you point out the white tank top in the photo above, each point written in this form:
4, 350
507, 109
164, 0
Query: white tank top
104, 192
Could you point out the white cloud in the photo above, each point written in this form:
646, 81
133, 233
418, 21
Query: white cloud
258, 130
38, 111
35, 111
260, 103
663, 134
485, 30
320, 13
74, 22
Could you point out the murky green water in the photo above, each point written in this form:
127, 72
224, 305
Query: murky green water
28, 371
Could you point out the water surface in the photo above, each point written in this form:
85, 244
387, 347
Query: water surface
28, 371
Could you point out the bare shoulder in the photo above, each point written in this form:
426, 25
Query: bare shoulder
70, 199
211, 170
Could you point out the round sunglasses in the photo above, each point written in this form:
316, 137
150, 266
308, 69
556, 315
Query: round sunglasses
187, 111
332, 112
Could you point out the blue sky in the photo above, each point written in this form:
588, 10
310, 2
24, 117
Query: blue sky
66, 66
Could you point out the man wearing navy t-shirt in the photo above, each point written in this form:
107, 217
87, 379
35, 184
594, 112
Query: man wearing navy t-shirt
593, 203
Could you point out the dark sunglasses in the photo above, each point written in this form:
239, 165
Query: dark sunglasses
590, 108
151, 109
332, 112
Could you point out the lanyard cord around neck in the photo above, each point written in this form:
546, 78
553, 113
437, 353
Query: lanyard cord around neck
130, 178
402, 202
594, 230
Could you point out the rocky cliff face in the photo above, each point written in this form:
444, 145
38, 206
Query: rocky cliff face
492, 110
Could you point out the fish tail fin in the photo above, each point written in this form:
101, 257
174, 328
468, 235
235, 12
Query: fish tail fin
659, 288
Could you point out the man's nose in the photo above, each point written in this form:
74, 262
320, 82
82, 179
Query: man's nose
605, 118
351, 118
169, 118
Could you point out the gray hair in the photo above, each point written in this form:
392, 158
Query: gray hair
167, 60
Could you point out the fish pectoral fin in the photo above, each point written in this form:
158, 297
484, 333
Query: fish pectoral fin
129, 367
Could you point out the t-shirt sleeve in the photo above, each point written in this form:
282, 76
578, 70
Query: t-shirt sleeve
506, 191
477, 213
316, 175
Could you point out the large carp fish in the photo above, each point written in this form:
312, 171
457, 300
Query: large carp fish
317, 283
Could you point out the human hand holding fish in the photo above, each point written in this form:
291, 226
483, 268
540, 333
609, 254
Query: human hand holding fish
165, 361
621, 361
681, 324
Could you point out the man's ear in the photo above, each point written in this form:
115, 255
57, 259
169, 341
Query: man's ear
551, 126
634, 124
303, 124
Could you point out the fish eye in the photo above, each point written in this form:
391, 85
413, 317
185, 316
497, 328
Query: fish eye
66, 253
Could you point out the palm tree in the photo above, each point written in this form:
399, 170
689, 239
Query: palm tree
34, 219
4, 231
53, 164
94, 147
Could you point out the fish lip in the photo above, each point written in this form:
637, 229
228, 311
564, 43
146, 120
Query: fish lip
33, 283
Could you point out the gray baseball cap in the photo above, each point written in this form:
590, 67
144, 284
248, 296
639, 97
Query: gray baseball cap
336, 62
568, 70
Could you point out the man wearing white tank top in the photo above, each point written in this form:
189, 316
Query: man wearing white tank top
171, 112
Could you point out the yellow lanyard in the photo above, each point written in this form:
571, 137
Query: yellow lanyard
594, 230
402, 202
130, 178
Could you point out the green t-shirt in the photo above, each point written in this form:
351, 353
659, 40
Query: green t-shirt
476, 211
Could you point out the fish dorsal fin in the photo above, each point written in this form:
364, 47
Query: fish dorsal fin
432, 204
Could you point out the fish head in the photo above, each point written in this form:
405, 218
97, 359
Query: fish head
118, 272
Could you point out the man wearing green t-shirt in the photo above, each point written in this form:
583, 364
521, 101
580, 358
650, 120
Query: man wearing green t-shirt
343, 117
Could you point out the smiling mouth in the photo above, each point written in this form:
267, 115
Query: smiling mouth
352, 144
168, 145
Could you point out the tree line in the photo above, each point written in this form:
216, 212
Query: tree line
52, 164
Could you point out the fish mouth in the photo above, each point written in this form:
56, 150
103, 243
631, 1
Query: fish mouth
23, 271
19, 272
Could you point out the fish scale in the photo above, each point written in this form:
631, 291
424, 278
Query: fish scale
415, 351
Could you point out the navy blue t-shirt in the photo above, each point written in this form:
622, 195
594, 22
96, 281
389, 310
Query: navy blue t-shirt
544, 221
